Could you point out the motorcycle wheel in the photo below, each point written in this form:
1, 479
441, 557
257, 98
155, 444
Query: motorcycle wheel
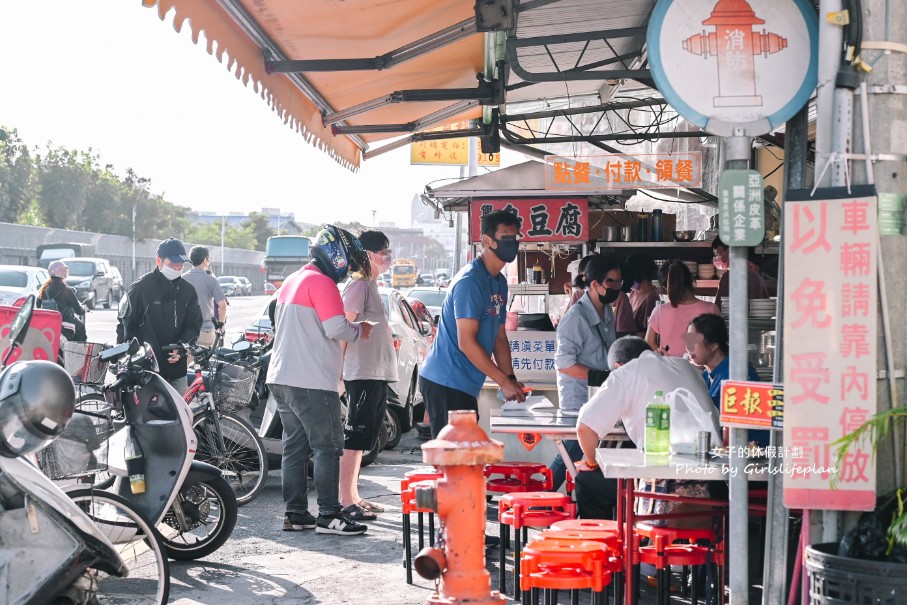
243, 461
210, 510
138, 544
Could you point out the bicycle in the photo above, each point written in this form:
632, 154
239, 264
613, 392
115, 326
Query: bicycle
224, 439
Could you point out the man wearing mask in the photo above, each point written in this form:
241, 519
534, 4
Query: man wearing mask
161, 309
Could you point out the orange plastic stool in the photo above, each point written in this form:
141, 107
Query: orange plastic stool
524, 510
608, 537
510, 477
550, 565
596, 524
408, 486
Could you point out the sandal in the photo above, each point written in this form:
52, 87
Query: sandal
357, 513
370, 506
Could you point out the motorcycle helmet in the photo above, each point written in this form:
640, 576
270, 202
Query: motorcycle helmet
337, 253
37, 399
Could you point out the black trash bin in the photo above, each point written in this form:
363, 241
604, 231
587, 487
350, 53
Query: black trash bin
835, 580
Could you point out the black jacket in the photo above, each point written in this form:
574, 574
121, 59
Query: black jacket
55, 294
161, 312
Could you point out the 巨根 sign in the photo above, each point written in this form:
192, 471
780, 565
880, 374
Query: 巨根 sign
830, 338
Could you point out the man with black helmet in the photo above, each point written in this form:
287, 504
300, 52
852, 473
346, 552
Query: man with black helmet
304, 375
162, 309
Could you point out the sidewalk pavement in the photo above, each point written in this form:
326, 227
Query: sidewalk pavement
263, 565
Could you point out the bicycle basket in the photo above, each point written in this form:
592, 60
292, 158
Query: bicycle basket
232, 387
81, 361
82, 447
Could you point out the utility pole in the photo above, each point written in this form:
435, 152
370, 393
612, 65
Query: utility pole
374, 221
223, 231
133, 241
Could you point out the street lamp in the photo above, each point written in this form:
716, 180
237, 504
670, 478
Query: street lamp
133, 240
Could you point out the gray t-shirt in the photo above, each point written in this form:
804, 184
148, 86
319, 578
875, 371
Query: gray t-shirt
373, 358
209, 293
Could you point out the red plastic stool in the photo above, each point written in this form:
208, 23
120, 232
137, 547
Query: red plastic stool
524, 510
510, 477
664, 553
608, 537
551, 565
408, 486
595, 524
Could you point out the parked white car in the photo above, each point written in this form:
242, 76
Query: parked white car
17, 282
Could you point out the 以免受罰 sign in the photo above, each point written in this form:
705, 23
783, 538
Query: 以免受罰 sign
830, 338
449, 152
740, 67
541, 220
741, 208
752, 405
623, 171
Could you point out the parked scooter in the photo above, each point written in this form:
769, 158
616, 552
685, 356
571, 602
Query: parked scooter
50, 550
193, 506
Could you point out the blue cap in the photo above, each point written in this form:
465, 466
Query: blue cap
173, 250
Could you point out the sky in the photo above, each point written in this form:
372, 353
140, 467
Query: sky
110, 76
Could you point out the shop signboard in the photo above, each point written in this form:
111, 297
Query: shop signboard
541, 220
752, 405
830, 338
604, 171
449, 152
738, 68
741, 208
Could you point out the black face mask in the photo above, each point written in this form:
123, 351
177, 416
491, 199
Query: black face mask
507, 249
609, 296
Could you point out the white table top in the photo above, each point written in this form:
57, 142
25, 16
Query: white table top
635, 464
551, 423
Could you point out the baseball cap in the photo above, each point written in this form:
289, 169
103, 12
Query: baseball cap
173, 250
57, 268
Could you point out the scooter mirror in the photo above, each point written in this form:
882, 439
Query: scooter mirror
241, 346
18, 327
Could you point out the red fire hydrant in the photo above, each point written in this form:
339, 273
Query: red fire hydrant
461, 452
735, 44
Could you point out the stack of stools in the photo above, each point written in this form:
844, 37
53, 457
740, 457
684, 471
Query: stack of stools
522, 511
551, 564
605, 531
408, 485
663, 552
510, 477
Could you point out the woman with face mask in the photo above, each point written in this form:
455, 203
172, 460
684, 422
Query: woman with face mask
669, 322
584, 335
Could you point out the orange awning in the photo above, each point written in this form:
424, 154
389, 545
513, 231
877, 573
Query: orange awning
239, 32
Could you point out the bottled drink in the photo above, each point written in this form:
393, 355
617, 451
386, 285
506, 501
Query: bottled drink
135, 463
657, 225
658, 425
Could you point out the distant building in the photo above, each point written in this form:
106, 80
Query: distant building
423, 218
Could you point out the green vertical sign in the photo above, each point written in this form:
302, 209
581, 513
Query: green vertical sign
741, 209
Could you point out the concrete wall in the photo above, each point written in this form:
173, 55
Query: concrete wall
19, 242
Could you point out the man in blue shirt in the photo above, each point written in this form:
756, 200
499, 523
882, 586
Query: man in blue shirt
471, 343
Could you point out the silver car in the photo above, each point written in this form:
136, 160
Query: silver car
17, 282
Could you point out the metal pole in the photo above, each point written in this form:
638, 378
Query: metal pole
223, 230
831, 39
739, 149
134, 276
774, 574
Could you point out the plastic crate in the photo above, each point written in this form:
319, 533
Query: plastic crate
835, 580
232, 387
82, 448
80, 359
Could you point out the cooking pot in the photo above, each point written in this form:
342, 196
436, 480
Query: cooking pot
627, 233
610, 233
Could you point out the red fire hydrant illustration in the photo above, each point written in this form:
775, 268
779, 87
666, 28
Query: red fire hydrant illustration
461, 452
735, 44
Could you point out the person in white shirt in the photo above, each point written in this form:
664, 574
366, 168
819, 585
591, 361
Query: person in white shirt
636, 373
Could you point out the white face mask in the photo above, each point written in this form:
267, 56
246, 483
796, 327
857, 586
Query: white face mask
169, 273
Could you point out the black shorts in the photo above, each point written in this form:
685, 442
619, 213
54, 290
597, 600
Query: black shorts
367, 404
440, 399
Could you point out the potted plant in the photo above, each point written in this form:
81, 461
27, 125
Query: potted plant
869, 565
